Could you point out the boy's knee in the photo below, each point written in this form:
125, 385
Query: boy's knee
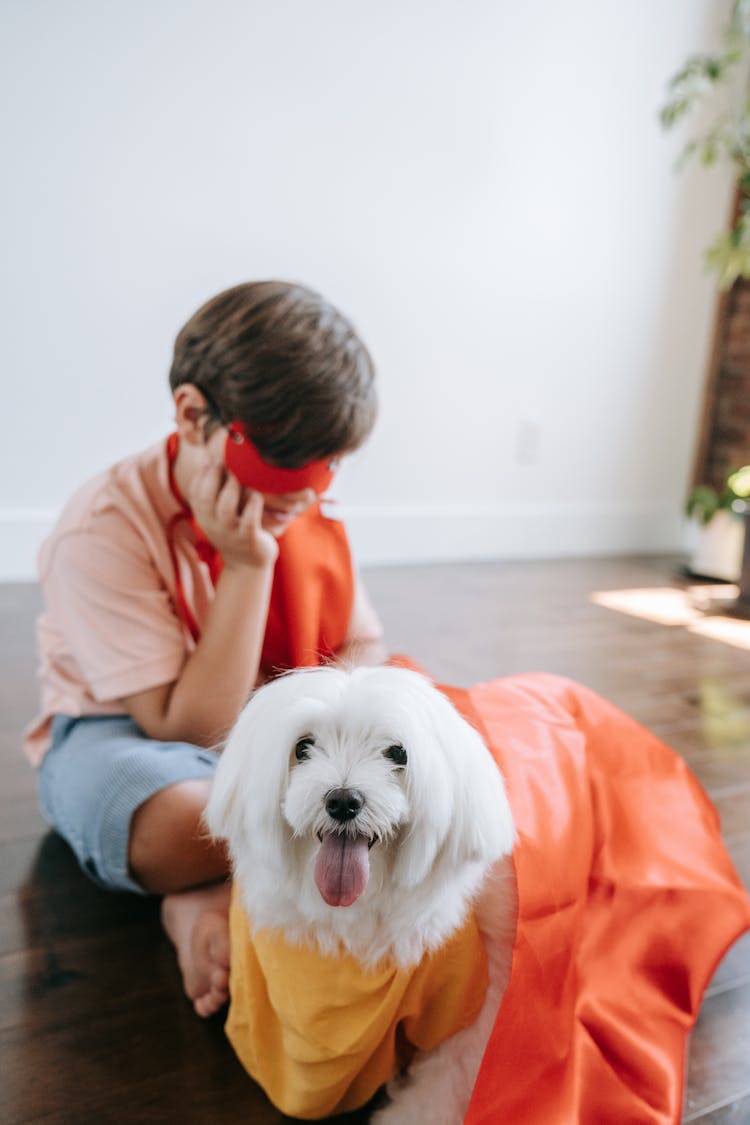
169, 846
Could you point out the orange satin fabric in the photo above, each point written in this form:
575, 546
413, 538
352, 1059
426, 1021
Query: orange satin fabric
312, 595
627, 901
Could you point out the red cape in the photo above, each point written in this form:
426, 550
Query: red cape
627, 902
312, 594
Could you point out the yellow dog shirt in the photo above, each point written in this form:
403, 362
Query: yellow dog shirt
320, 1033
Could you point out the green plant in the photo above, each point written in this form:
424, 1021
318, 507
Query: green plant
704, 501
719, 84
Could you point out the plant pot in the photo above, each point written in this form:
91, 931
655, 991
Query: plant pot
742, 508
717, 547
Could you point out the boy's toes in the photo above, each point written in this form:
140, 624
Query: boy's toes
210, 1002
220, 980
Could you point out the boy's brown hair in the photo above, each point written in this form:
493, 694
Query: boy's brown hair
287, 364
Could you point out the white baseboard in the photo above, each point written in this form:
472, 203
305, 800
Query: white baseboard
433, 533
447, 533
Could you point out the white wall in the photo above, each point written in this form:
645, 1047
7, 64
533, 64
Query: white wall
482, 186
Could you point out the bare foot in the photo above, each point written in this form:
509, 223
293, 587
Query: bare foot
197, 923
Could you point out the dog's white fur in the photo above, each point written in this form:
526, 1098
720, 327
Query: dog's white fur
441, 826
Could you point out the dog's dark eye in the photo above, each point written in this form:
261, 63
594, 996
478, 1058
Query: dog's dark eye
397, 754
302, 747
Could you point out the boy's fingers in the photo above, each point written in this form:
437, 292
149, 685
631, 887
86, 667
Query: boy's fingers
229, 500
208, 485
252, 511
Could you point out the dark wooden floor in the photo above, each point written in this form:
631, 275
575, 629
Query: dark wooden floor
93, 1025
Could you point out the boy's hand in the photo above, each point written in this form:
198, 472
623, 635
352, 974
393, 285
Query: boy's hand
231, 516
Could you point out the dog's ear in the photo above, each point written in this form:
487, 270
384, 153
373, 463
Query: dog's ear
225, 813
244, 806
483, 827
457, 794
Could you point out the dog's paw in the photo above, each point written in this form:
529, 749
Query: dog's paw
408, 1104
386, 1111
392, 1115
409, 1115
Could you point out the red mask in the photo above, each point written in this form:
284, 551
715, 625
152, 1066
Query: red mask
245, 462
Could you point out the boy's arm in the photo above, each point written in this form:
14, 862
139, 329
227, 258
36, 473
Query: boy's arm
216, 680
218, 677
364, 643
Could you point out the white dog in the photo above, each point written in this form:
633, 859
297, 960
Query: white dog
364, 817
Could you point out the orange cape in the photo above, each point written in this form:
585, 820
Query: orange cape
312, 594
627, 902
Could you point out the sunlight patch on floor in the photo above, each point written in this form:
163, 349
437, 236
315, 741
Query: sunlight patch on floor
730, 630
663, 605
697, 609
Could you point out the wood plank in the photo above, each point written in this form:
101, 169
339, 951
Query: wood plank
719, 1051
734, 970
737, 1112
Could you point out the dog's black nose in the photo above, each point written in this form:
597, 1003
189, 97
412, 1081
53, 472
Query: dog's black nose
344, 804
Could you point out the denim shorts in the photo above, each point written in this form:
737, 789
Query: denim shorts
95, 775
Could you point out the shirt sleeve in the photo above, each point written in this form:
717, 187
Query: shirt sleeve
113, 611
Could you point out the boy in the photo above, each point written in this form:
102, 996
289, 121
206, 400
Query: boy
182, 577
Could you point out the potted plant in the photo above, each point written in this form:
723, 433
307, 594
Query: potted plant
718, 526
717, 85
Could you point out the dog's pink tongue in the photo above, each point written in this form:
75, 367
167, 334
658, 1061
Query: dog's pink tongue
342, 868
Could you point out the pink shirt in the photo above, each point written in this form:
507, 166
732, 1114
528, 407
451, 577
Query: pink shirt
110, 628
